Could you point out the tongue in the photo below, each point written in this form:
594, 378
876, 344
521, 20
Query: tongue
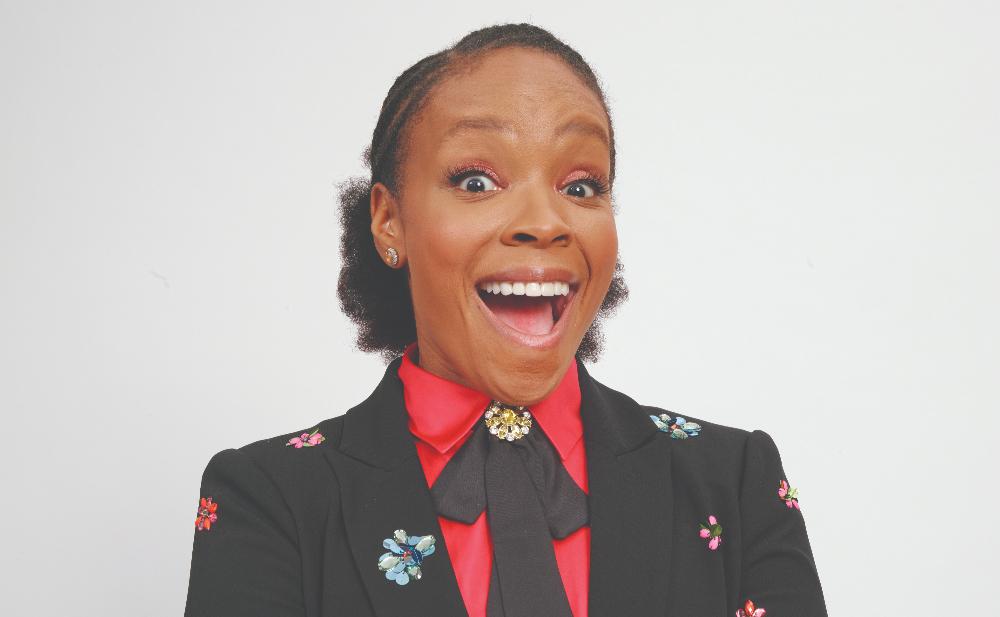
529, 314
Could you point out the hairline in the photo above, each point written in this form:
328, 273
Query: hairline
457, 62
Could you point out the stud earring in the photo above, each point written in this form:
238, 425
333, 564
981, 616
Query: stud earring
392, 255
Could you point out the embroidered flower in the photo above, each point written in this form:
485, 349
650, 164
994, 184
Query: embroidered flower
307, 440
789, 495
679, 428
712, 532
206, 514
750, 610
405, 555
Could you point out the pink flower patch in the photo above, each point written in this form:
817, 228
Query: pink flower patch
750, 610
788, 495
711, 532
307, 440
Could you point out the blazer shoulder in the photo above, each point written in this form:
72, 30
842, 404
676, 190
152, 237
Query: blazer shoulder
727, 450
707, 438
720, 435
292, 463
307, 440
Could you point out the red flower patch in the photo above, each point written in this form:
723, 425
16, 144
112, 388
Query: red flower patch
206, 514
750, 610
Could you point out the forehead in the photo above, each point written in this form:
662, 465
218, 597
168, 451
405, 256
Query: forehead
524, 90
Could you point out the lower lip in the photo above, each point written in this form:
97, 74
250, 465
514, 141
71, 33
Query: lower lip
533, 341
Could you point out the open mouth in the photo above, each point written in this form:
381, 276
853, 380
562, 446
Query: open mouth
532, 308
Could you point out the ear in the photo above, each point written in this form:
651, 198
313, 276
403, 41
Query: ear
387, 225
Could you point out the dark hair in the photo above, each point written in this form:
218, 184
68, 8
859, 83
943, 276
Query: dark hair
377, 298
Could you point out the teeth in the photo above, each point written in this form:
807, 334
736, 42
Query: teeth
526, 288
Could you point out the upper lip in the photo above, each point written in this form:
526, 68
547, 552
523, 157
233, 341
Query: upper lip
540, 274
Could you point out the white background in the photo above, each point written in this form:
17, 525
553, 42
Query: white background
808, 218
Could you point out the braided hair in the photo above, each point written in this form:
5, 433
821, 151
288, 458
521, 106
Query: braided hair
377, 298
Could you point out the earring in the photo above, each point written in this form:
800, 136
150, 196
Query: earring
392, 255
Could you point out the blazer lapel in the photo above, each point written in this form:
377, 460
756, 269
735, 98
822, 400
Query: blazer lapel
381, 477
631, 503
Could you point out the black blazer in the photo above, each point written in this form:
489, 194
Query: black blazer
299, 531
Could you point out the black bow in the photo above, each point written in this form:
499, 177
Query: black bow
529, 499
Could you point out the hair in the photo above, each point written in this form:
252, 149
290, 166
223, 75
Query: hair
377, 298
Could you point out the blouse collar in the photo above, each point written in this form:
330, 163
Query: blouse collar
443, 412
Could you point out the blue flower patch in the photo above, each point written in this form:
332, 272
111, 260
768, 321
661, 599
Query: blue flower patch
679, 428
405, 556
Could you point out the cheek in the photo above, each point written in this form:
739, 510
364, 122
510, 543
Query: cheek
442, 244
601, 246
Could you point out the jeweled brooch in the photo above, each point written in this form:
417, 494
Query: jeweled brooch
679, 428
405, 556
711, 532
508, 422
750, 610
206, 514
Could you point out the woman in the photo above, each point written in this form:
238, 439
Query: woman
488, 473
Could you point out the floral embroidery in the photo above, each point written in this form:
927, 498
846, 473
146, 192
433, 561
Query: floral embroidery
712, 532
307, 440
405, 555
750, 610
679, 428
206, 514
789, 495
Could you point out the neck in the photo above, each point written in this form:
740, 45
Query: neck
514, 388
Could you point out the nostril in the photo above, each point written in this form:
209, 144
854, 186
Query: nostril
523, 237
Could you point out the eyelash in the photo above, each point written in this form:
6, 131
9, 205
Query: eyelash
599, 184
457, 174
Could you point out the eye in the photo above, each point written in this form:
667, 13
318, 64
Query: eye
478, 183
588, 186
580, 189
472, 180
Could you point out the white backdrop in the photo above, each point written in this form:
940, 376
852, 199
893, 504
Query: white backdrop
808, 218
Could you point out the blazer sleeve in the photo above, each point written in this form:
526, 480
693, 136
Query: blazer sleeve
247, 562
778, 571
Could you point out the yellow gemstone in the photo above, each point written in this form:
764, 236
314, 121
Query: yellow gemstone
506, 422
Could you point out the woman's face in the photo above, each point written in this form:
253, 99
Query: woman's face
504, 186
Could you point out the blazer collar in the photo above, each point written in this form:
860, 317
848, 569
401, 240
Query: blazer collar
383, 488
611, 418
442, 413
376, 431
630, 501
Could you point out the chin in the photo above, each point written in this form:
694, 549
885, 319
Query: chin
526, 392
525, 377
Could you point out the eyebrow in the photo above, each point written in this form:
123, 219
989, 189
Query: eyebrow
492, 123
583, 127
482, 123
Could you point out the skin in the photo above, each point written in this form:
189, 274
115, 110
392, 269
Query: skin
539, 212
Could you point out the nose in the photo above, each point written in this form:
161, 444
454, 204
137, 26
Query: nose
537, 220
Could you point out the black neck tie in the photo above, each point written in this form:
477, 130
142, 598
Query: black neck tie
529, 499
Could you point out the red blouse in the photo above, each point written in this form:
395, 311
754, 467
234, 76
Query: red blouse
442, 416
